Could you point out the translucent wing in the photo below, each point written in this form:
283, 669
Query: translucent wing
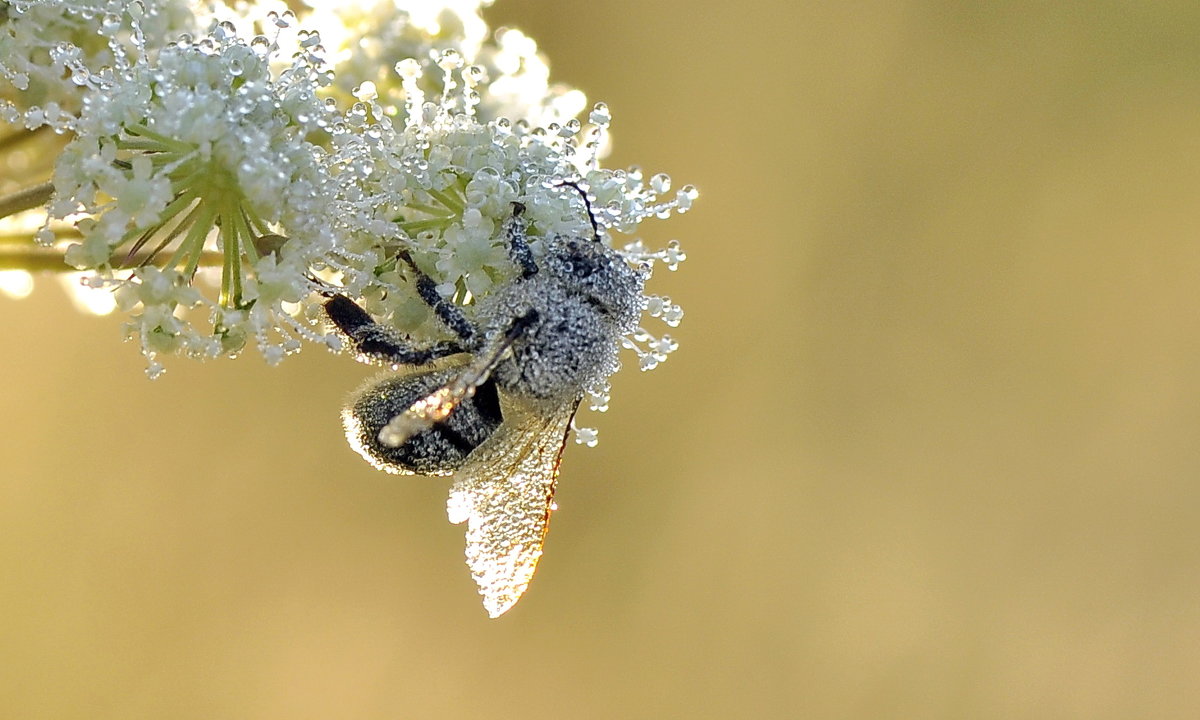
505, 494
438, 405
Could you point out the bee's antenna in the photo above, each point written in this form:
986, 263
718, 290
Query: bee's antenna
586, 203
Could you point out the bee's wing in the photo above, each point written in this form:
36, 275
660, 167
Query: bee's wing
505, 494
437, 406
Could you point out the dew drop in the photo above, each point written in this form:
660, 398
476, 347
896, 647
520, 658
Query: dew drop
261, 45
600, 115
660, 183
408, 69
474, 75
450, 59
155, 370
366, 92
308, 38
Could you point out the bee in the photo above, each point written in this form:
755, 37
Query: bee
493, 407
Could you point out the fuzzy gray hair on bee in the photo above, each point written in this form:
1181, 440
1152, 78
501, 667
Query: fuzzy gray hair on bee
493, 406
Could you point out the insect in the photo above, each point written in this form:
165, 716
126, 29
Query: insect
493, 406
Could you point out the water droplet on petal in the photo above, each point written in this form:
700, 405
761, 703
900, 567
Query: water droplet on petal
600, 115
261, 45
408, 69
450, 59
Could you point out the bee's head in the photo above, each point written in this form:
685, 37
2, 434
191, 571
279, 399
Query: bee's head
588, 267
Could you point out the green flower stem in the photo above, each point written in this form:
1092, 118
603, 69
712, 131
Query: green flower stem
412, 228
429, 209
452, 203
169, 143
170, 237
36, 258
193, 244
33, 258
232, 241
26, 199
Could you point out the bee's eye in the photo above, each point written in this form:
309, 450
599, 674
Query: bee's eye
599, 306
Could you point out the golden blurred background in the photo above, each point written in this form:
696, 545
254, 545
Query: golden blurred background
929, 447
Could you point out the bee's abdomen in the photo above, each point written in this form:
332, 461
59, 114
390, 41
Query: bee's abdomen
441, 449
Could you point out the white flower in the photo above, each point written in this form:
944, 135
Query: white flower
223, 155
438, 184
202, 150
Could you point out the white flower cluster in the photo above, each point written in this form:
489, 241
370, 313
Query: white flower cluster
368, 39
37, 36
460, 179
216, 184
202, 148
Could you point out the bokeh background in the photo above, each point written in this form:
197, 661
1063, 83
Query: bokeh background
929, 447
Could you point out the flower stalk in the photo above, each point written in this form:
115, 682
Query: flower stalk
21, 253
26, 199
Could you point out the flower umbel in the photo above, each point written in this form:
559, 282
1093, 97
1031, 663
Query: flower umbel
197, 155
456, 219
213, 183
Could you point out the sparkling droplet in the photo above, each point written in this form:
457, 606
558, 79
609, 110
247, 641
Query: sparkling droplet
224, 30
366, 92
660, 183
155, 370
308, 38
261, 45
600, 115
408, 69
474, 75
450, 59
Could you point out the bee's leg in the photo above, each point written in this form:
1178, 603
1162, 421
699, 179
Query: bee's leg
518, 244
446, 311
375, 343
449, 313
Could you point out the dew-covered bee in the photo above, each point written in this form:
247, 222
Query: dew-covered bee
493, 407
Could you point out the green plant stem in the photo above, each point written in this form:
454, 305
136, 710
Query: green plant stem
26, 199
35, 258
